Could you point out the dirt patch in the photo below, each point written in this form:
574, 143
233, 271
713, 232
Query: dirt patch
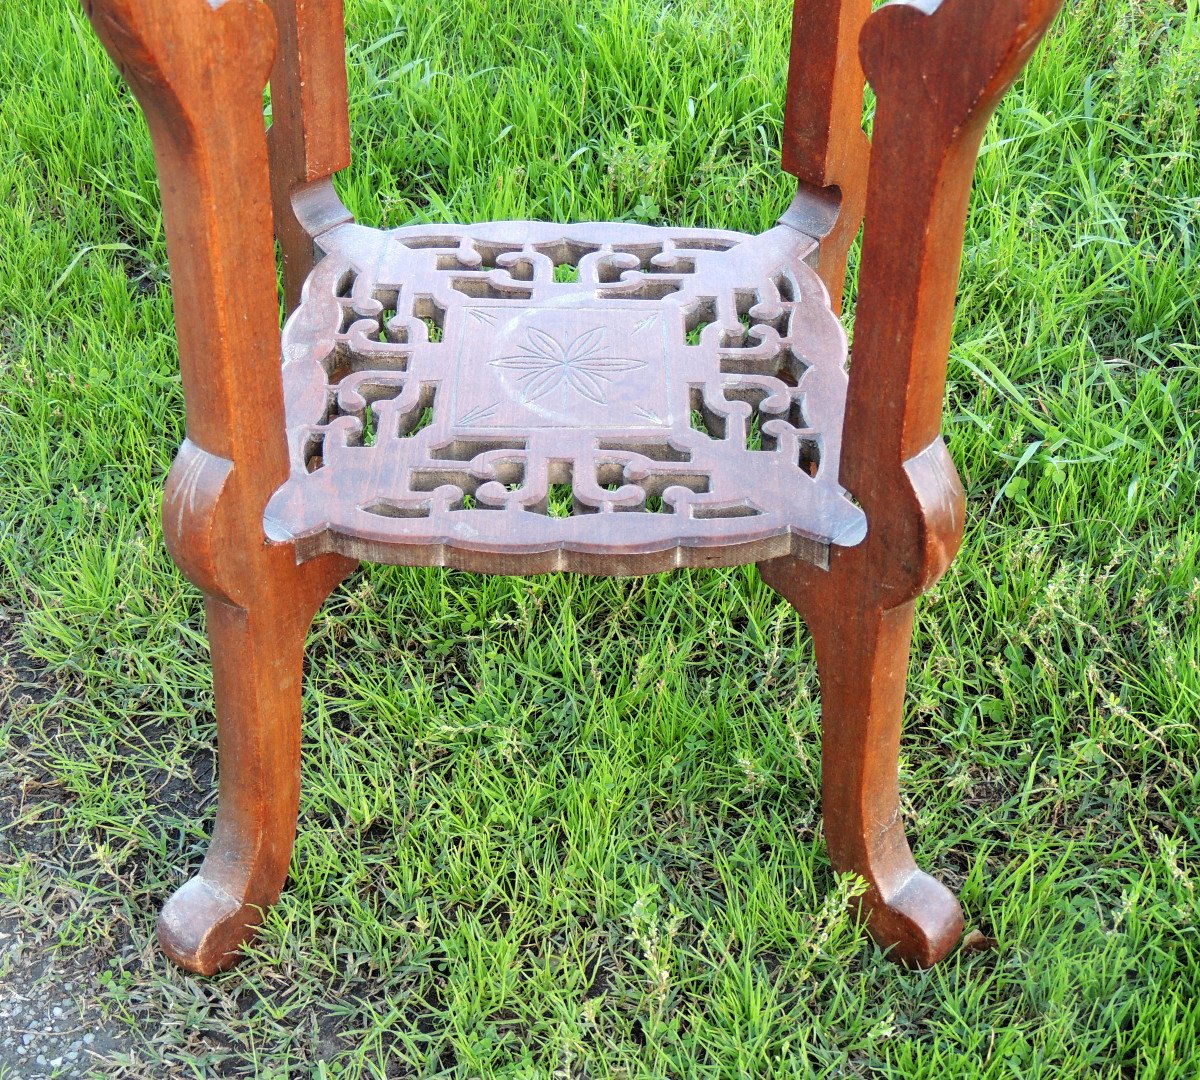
51, 1023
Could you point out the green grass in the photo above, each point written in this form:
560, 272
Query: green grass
568, 826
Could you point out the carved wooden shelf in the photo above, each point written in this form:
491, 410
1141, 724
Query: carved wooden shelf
680, 390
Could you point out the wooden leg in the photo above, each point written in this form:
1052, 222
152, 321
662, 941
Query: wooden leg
862, 660
257, 659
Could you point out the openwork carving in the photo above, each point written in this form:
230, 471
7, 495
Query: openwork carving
606, 398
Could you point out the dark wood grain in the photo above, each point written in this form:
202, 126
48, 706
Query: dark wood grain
685, 388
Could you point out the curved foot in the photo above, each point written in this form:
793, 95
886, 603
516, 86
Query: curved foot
918, 923
203, 928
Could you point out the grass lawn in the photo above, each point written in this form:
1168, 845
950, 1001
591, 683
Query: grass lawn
569, 827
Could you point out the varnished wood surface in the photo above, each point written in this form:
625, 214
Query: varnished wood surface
938, 70
198, 69
824, 145
309, 137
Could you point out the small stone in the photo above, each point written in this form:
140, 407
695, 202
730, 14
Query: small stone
57, 1010
89, 1038
41, 1059
27, 1038
56, 1062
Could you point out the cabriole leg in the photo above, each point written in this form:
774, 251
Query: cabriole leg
257, 659
862, 660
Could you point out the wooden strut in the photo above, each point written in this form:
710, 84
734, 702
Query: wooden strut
309, 137
229, 188
824, 145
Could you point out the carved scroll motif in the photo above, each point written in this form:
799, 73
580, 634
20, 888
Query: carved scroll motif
617, 399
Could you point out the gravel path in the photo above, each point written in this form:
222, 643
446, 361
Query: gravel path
46, 1023
50, 1028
